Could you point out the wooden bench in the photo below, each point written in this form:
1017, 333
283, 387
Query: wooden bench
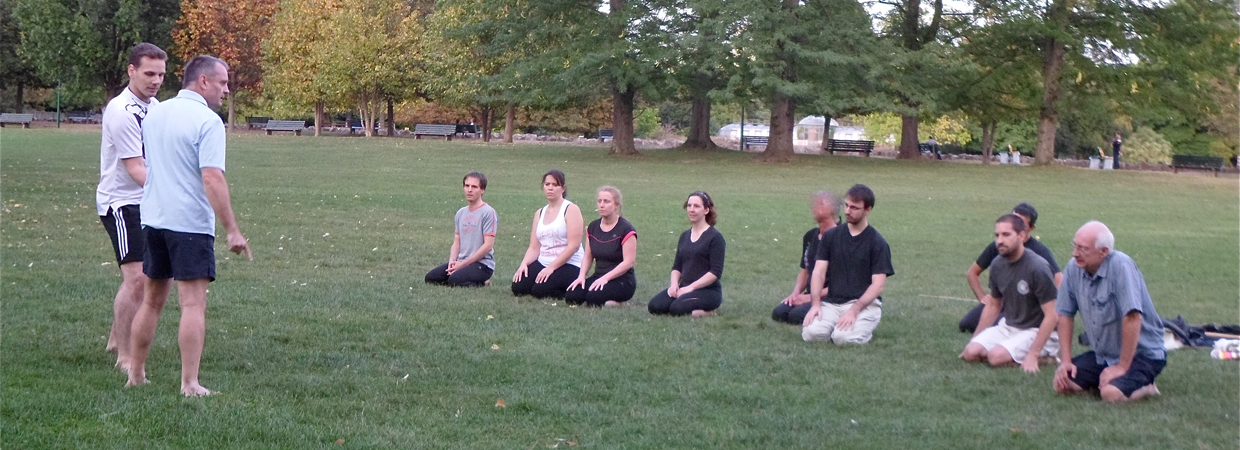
14, 118
749, 141
1196, 162
467, 129
285, 125
430, 129
604, 134
253, 122
838, 145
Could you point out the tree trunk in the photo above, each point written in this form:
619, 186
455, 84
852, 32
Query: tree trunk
779, 142
391, 119
1058, 15
908, 138
622, 103
510, 122
988, 141
232, 110
21, 97
488, 115
318, 118
826, 134
699, 124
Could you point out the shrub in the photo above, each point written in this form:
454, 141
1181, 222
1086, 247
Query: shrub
1146, 145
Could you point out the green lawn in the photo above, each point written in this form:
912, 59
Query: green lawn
330, 334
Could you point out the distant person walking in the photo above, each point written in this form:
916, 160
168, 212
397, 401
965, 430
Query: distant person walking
1116, 149
185, 191
122, 172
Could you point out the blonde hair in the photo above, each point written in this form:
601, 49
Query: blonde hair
615, 197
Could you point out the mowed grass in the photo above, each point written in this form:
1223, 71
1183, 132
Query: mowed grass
330, 339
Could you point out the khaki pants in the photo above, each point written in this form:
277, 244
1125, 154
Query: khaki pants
823, 328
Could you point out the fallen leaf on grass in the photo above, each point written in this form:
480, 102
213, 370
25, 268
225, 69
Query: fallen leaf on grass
494, 346
1014, 430
500, 404
339, 441
489, 317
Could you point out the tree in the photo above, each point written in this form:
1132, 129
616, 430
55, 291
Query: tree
920, 68
84, 44
231, 30
466, 65
701, 60
291, 57
15, 72
374, 56
797, 53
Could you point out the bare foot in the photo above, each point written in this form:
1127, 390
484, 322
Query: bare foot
1145, 391
136, 378
698, 314
194, 390
111, 347
612, 304
487, 283
123, 365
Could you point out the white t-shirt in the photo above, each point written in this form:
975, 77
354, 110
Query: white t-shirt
122, 139
183, 136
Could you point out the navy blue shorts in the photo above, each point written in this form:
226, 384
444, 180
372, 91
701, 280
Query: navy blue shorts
1140, 374
180, 256
124, 227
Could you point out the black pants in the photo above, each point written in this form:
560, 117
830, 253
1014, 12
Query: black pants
620, 290
703, 299
554, 286
968, 323
791, 314
473, 275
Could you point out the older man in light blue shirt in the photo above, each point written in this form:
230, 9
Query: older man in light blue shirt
1106, 287
185, 192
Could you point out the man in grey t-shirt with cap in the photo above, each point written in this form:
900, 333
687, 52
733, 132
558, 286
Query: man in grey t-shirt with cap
1023, 291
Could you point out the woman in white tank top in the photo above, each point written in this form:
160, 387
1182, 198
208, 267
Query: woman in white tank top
553, 258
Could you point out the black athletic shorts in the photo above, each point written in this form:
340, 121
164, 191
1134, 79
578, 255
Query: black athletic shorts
124, 226
1140, 374
180, 256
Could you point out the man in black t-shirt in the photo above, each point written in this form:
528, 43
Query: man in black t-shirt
825, 207
855, 261
968, 324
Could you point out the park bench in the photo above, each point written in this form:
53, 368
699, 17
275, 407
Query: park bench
838, 145
285, 125
749, 141
81, 117
429, 129
604, 134
253, 122
356, 125
14, 118
467, 129
1196, 162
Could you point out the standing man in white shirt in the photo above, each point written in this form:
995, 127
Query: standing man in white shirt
185, 191
122, 172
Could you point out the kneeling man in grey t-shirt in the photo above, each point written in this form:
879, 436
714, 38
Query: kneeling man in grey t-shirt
1023, 291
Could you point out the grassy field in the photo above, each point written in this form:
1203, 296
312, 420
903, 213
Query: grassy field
329, 338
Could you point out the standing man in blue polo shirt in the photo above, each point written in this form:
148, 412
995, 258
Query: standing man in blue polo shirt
1125, 331
184, 193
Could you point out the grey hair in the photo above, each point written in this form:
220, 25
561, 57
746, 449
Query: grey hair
199, 66
1105, 238
828, 198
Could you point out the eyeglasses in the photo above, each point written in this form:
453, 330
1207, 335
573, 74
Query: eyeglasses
1081, 248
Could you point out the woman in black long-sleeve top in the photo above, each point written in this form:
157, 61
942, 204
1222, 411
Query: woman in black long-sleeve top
694, 287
